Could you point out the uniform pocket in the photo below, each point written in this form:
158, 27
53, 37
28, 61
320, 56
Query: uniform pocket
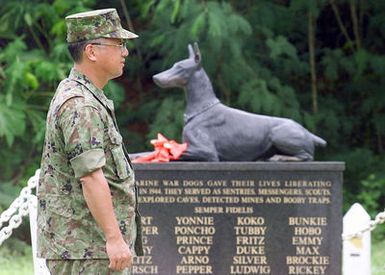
121, 163
115, 137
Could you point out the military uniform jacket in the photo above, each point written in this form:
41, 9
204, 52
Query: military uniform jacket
81, 137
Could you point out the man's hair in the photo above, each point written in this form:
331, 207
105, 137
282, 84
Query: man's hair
76, 50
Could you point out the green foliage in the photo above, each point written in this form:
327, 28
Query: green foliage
168, 119
372, 195
280, 47
33, 59
115, 92
8, 193
12, 120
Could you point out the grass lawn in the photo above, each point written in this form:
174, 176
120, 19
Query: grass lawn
378, 258
15, 263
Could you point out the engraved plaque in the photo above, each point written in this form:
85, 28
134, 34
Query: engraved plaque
240, 218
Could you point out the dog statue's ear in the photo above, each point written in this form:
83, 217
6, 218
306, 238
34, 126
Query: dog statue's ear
197, 53
190, 51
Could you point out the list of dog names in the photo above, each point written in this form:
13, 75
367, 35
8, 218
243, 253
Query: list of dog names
194, 233
250, 255
307, 238
194, 239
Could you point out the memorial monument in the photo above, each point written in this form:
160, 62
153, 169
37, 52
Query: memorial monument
223, 214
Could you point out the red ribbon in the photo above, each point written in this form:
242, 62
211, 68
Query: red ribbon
165, 150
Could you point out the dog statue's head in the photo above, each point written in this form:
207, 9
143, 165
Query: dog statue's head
179, 74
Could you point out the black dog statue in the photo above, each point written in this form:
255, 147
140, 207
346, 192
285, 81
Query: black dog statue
215, 132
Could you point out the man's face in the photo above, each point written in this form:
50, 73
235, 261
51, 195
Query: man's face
111, 54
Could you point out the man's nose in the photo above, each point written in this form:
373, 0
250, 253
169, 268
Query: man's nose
125, 52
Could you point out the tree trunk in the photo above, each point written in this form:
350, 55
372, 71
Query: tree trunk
131, 28
340, 24
353, 11
313, 72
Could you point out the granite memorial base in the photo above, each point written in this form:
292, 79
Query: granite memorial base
240, 218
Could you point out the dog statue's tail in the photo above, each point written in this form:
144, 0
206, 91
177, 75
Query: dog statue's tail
318, 141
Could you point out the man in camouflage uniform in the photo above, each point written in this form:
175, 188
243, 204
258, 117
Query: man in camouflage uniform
86, 193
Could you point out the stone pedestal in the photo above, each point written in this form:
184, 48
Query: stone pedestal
240, 218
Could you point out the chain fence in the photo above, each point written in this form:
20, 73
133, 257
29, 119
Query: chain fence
13, 216
380, 218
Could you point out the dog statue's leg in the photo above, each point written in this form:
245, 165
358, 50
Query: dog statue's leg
195, 154
285, 158
199, 147
293, 141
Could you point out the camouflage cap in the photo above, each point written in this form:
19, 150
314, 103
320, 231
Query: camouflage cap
94, 24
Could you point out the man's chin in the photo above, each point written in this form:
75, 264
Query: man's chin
117, 75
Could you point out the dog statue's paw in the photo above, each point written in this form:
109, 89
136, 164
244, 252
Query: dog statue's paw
284, 158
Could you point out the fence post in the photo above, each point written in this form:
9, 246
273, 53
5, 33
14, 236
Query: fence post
40, 267
356, 251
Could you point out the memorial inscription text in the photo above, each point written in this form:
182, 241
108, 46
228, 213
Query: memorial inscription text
226, 224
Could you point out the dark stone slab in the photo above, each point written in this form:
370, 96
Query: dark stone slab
240, 218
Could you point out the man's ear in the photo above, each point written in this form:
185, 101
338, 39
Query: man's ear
89, 52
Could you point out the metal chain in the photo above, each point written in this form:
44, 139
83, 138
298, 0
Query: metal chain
19, 205
380, 218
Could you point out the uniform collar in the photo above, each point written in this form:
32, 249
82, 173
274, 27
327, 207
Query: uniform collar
85, 81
